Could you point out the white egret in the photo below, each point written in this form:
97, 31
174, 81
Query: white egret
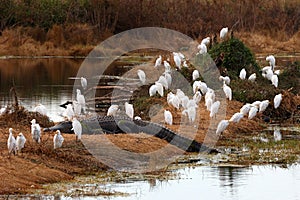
274, 80
202, 49
174, 101
268, 74
185, 64
180, 94
36, 131
252, 77
158, 61
210, 94
184, 101
168, 117
206, 41
277, 72
252, 112
225, 79
159, 89
177, 60
243, 74
152, 90
168, 78
263, 105
11, 143
137, 118
167, 66
256, 104
129, 110
271, 60
223, 33
245, 108
277, 100
214, 109
277, 135
222, 126
191, 103
264, 69
208, 103
81, 100
58, 140
142, 76
195, 74
228, 92
112, 110
197, 97
77, 128
162, 80
69, 112
40, 108
236, 117
83, 82
20, 142
191, 112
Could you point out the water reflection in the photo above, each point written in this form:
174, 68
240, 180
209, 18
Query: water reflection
43, 81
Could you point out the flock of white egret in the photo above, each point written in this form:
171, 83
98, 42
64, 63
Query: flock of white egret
181, 102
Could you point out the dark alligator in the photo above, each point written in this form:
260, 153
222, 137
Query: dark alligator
119, 124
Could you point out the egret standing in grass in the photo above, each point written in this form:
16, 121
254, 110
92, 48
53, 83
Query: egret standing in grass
58, 140
35, 131
129, 110
252, 112
214, 109
223, 33
20, 142
142, 76
168, 117
263, 105
271, 60
252, 77
236, 117
274, 80
277, 100
11, 143
195, 74
228, 92
243, 74
77, 128
83, 82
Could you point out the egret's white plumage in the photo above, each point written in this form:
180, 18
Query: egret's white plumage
167, 66
191, 112
137, 118
263, 105
268, 74
40, 108
36, 131
58, 140
208, 103
173, 100
129, 110
162, 80
152, 90
252, 77
277, 100
77, 108
252, 112
222, 126
228, 92
277, 135
195, 74
223, 33
184, 101
236, 117
77, 128
274, 80
83, 82
142, 76
243, 74
168, 78
225, 79
214, 109
20, 142
112, 110
245, 109
11, 142
197, 97
202, 49
177, 59
277, 72
168, 117
158, 61
206, 41
159, 89
271, 60
81, 100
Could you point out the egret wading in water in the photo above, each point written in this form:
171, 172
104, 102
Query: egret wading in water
168, 117
58, 140
77, 128
20, 142
11, 143
83, 82
35, 131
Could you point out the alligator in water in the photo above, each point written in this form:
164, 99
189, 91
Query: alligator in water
119, 124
